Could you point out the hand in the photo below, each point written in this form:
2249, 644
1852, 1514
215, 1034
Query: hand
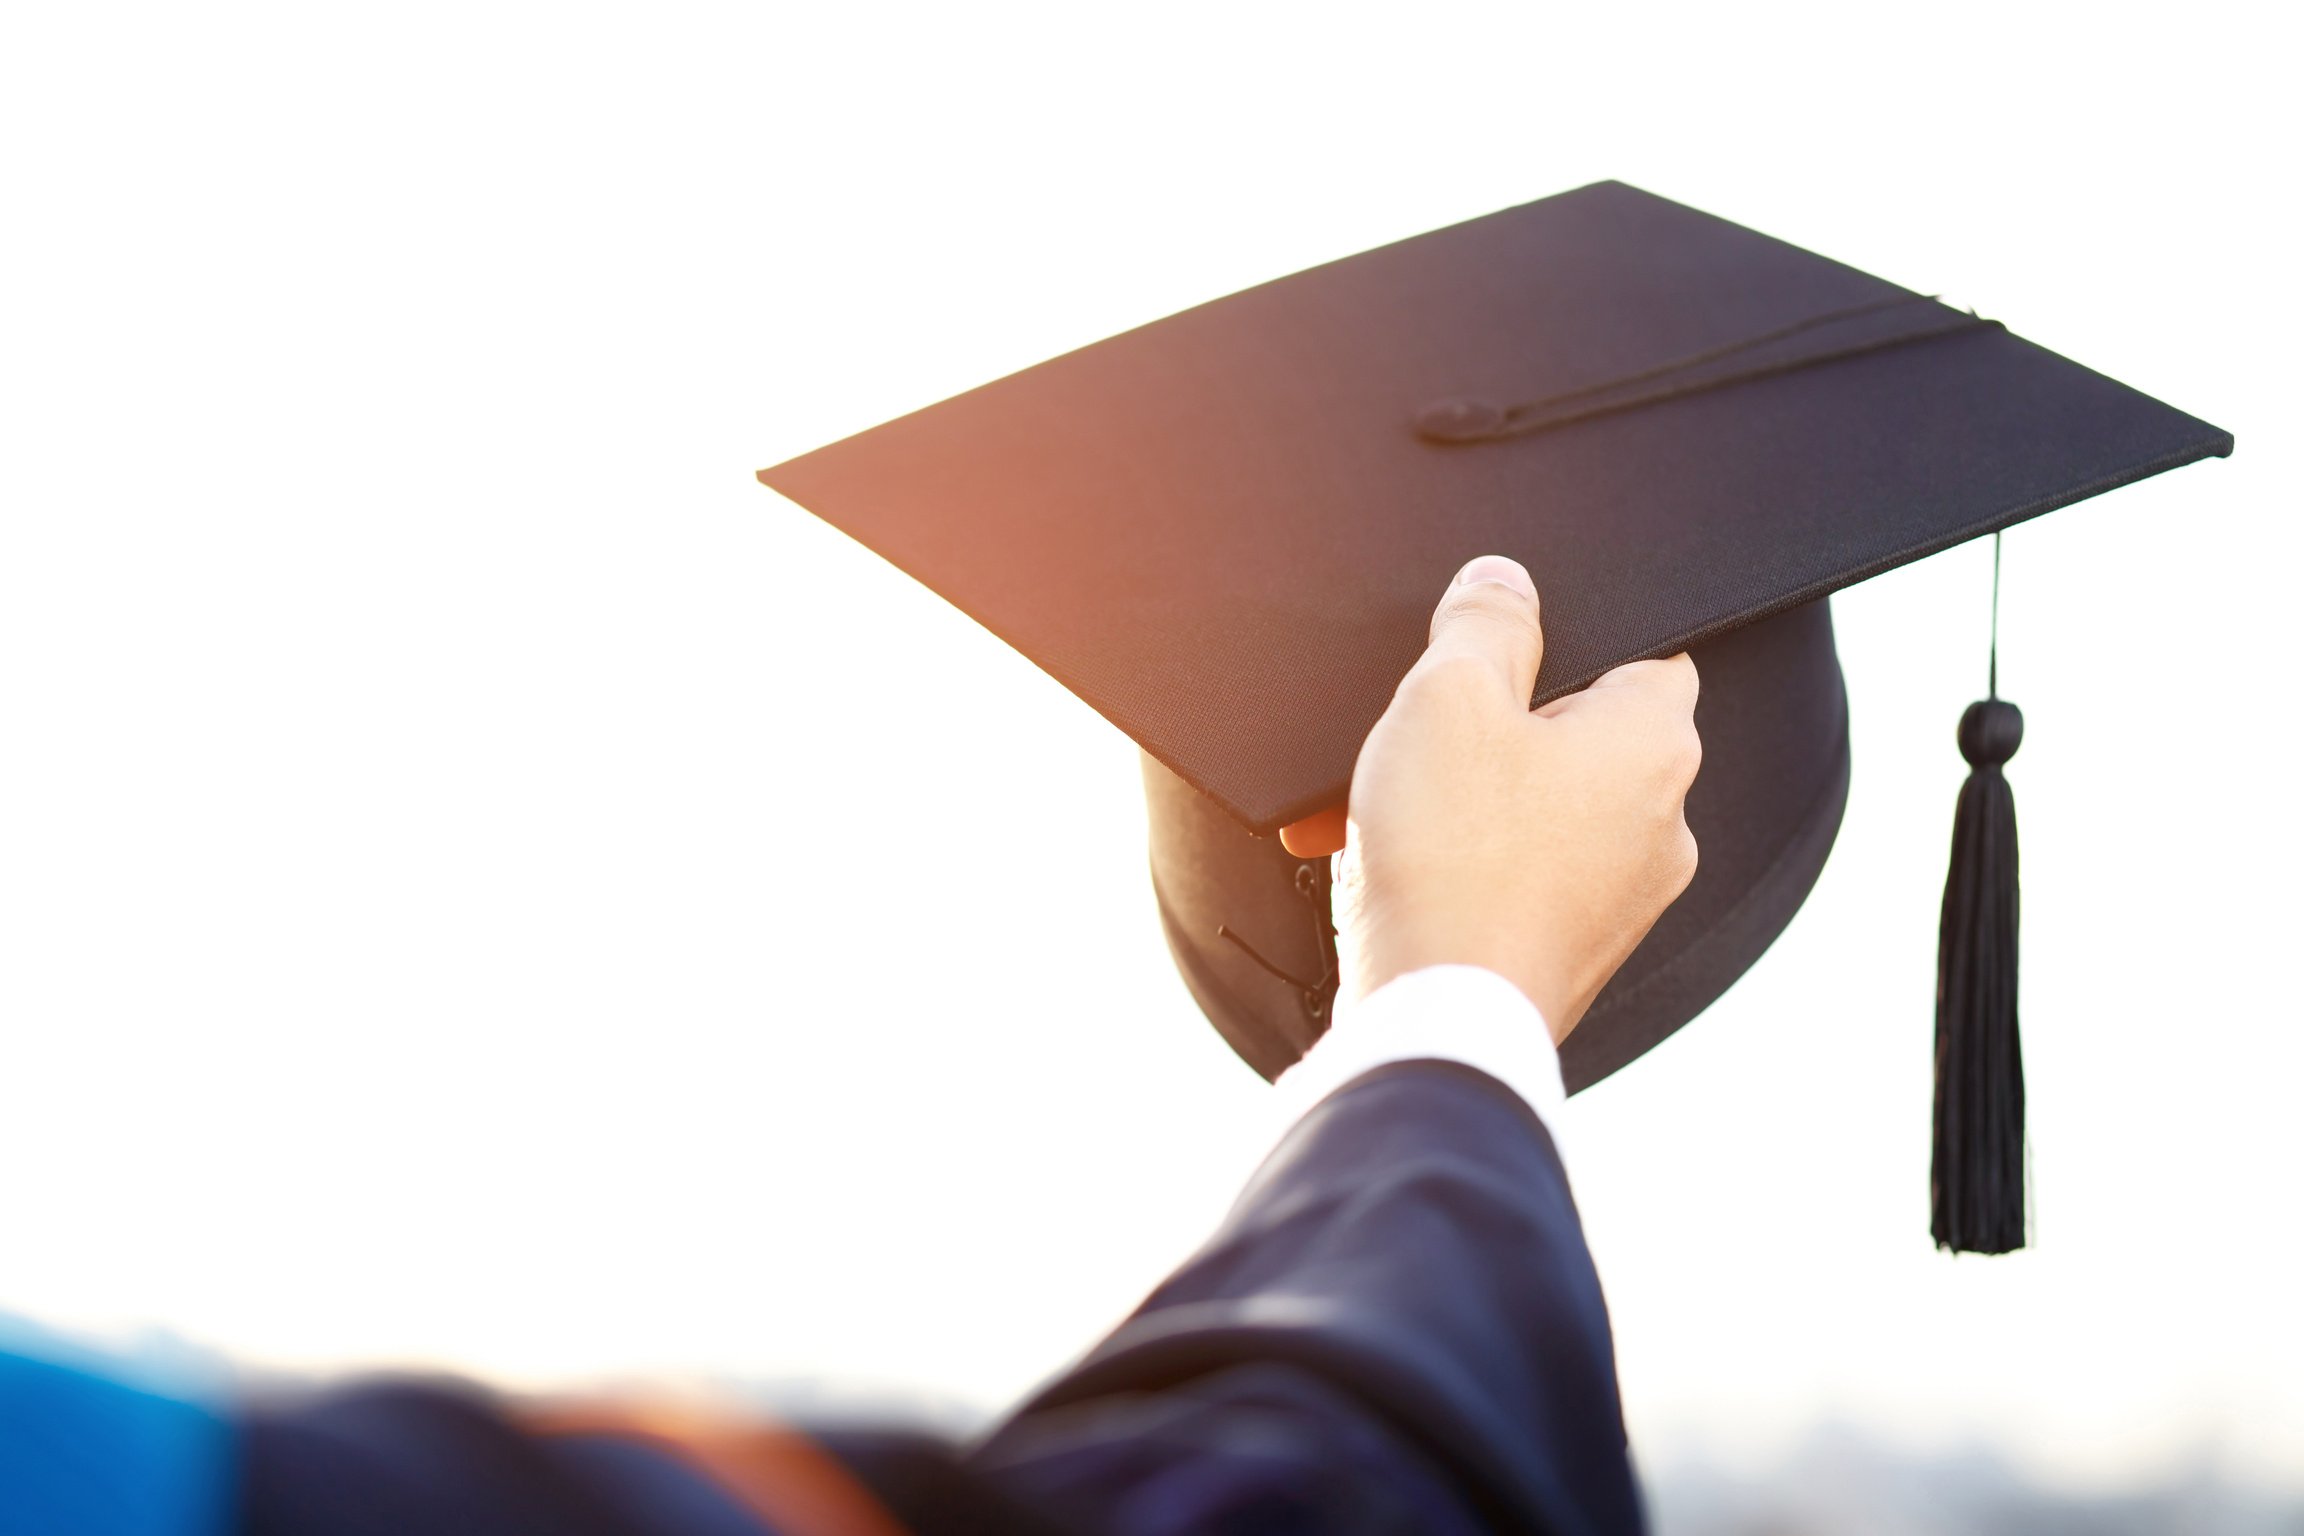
1540, 844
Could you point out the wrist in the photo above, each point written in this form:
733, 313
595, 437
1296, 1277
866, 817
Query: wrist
1385, 952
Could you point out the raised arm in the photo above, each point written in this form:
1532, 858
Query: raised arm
1399, 1327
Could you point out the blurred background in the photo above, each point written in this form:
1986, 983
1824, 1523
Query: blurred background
485, 885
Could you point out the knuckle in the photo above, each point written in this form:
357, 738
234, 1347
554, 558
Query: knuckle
1674, 753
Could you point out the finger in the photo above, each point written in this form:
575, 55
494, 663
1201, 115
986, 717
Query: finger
1490, 612
1669, 686
1672, 674
1315, 837
1647, 708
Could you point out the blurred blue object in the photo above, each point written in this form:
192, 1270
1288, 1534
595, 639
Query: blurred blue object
84, 1452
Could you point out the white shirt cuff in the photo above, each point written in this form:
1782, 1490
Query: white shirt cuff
1459, 1013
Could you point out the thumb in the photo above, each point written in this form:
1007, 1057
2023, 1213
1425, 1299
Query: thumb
1490, 611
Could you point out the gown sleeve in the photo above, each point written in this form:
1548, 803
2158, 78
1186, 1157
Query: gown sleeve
1398, 1328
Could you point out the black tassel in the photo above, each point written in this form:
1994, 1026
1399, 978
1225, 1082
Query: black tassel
1977, 1179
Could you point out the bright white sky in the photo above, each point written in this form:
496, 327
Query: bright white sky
483, 882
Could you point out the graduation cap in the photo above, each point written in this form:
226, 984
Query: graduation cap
1224, 529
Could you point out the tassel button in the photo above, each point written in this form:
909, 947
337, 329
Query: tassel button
1990, 732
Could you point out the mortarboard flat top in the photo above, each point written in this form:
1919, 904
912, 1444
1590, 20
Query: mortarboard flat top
1224, 529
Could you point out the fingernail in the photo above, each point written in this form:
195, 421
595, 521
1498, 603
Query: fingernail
1501, 569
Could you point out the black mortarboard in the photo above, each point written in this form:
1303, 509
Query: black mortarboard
1225, 530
